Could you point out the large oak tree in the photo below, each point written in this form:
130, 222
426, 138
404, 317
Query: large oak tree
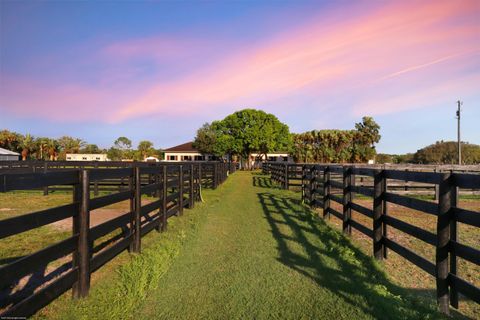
242, 133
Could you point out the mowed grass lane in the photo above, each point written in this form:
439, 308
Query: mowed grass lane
261, 254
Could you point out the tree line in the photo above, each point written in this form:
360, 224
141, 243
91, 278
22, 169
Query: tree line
441, 152
338, 146
254, 131
45, 148
249, 131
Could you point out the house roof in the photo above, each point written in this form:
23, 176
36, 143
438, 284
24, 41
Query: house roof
8, 152
185, 147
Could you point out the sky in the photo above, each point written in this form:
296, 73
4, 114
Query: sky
158, 70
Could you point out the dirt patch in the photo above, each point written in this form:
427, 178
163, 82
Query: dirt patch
101, 215
97, 217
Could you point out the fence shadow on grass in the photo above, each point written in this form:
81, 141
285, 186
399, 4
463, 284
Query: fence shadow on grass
332, 261
262, 182
21, 290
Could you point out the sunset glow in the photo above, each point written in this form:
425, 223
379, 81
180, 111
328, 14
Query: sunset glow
325, 67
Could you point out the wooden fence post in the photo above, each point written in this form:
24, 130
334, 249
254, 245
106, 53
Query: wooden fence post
311, 185
82, 227
437, 188
443, 239
158, 194
304, 176
164, 198
138, 205
131, 187
180, 190
95, 184
199, 182
347, 198
385, 212
285, 185
214, 173
326, 192
192, 191
378, 199
45, 169
220, 173
453, 256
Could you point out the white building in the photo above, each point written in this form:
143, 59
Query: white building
186, 152
86, 157
256, 159
7, 155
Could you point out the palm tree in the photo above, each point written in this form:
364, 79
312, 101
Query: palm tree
70, 145
53, 148
27, 145
42, 145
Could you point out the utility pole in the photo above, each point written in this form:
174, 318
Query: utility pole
459, 103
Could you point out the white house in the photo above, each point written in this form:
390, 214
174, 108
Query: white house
86, 157
186, 152
7, 155
257, 158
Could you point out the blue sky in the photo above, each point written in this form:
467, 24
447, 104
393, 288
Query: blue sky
159, 70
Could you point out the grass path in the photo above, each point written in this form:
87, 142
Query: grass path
260, 254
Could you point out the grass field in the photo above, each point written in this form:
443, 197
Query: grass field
249, 251
405, 273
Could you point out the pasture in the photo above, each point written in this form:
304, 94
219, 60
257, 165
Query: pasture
251, 250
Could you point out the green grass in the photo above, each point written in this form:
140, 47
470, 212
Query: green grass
249, 252
17, 203
257, 253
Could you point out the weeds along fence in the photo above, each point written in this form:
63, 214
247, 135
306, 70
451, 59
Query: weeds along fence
323, 185
209, 172
173, 186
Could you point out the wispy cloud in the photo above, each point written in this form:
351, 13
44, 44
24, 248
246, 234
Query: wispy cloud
318, 58
428, 64
374, 56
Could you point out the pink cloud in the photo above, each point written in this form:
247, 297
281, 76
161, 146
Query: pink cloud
60, 102
396, 53
387, 42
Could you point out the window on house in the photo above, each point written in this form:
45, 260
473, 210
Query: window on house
187, 158
172, 158
84, 158
272, 158
285, 159
69, 158
199, 158
98, 158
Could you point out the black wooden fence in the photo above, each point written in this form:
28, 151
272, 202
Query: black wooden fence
291, 175
209, 171
174, 186
322, 184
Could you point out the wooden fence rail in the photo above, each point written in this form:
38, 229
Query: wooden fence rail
174, 187
322, 184
291, 175
209, 172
